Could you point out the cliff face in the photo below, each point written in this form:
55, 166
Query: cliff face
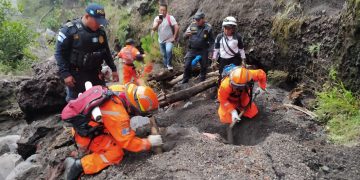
306, 38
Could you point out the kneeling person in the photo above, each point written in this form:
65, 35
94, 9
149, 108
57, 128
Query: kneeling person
235, 94
106, 146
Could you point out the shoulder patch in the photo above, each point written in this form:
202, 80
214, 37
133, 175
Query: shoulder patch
69, 24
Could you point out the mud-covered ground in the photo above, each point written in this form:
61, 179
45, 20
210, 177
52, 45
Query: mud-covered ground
279, 143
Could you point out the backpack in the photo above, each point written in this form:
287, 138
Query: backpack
169, 22
78, 112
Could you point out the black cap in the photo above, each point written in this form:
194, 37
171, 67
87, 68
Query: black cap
199, 15
130, 42
97, 11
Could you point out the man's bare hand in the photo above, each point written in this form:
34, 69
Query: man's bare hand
70, 81
115, 77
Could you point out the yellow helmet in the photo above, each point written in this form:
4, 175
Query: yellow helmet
239, 77
142, 98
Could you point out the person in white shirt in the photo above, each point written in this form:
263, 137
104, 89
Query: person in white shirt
168, 31
229, 47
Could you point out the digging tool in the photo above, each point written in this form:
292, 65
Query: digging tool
155, 131
230, 136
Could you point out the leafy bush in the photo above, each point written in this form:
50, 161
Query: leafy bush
15, 37
151, 47
340, 110
178, 55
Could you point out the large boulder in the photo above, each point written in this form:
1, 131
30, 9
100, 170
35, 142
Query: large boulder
44, 93
9, 108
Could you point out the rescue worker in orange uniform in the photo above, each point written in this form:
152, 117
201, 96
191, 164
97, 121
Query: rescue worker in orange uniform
129, 54
107, 148
235, 93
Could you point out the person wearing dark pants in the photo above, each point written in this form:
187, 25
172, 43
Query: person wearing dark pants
229, 47
190, 55
201, 41
81, 49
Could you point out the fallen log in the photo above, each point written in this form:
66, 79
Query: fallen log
163, 75
305, 111
187, 93
179, 78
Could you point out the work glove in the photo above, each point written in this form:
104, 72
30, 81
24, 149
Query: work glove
155, 140
235, 116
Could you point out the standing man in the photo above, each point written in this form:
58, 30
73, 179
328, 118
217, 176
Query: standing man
81, 48
201, 41
229, 46
168, 30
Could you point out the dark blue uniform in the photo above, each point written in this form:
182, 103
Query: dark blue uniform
200, 43
80, 53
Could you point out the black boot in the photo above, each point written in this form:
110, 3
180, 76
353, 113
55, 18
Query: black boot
73, 168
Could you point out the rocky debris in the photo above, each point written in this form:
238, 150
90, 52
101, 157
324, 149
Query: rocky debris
279, 143
44, 93
8, 162
8, 143
22, 170
9, 109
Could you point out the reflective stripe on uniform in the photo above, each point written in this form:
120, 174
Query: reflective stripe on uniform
104, 159
110, 112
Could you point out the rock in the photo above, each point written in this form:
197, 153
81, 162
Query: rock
21, 170
325, 169
9, 108
145, 8
8, 163
44, 93
8, 143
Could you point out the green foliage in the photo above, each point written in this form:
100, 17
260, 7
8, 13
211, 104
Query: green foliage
15, 37
340, 110
55, 19
314, 49
285, 25
178, 54
151, 47
5, 10
119, 20
275, 77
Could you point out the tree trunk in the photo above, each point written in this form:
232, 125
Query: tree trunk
187, 93
163, 75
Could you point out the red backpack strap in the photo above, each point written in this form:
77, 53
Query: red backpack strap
168, 19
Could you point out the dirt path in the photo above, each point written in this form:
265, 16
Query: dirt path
277, 144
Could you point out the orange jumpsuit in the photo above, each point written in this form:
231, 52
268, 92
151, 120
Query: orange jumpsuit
107, 148
230, 99
129, 54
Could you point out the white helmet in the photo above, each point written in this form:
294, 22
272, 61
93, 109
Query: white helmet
229, 21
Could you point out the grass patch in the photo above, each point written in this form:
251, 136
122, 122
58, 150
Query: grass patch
178, 55
286, 24
340, 110
275, 77
151, 47
314, 49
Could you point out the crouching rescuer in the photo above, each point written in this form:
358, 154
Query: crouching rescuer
236, 92
103, 141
